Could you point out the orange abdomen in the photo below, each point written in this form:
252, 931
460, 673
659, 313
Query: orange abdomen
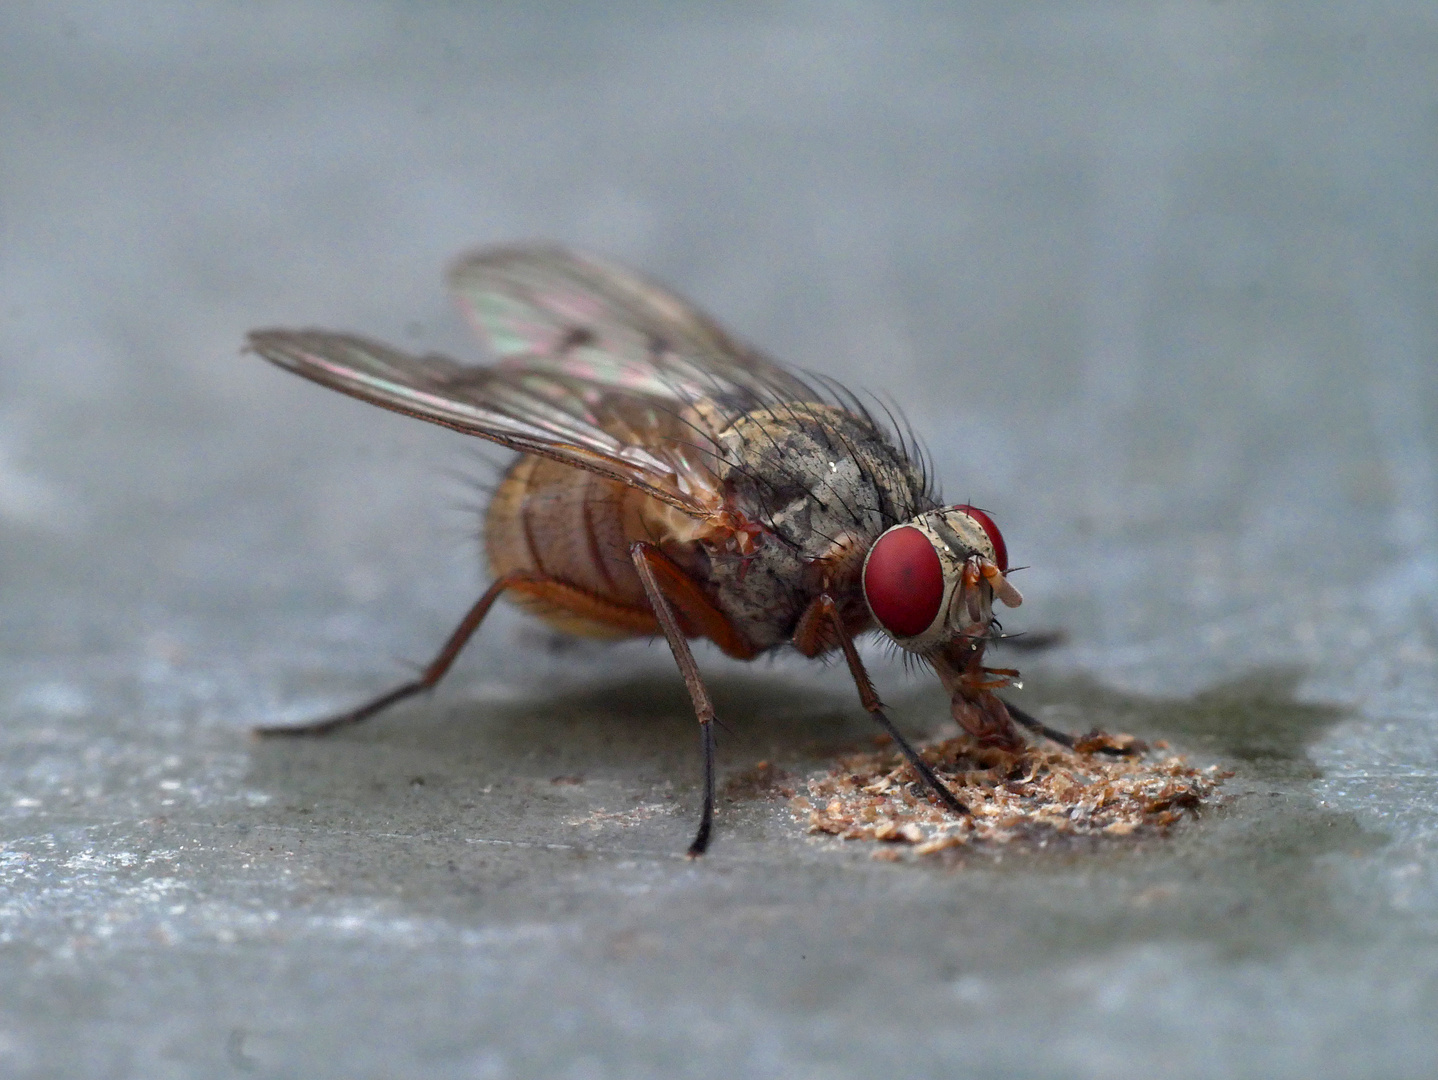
575, 527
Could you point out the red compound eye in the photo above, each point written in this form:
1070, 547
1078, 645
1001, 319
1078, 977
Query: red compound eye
904, 581
1001, 550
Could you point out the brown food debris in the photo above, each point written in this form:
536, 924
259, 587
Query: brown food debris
1038, 791
1101, 742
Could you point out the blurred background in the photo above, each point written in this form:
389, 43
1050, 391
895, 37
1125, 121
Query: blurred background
1155, 283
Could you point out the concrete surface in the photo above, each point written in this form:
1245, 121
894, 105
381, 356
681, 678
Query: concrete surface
1155, 282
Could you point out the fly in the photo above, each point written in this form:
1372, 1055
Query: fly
673, 481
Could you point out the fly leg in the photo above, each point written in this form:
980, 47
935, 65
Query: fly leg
1096, 742
875, 708
427, 678
1038, 727
645, 557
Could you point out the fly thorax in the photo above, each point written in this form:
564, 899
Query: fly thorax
814, 472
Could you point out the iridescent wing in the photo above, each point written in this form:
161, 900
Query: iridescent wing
598, 369
551, 309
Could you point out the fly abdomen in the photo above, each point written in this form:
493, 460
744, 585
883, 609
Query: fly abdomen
568, 525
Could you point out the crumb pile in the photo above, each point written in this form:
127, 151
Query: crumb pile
1038, 791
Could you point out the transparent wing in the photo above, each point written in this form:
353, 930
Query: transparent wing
634, 438
598, 368
547, 308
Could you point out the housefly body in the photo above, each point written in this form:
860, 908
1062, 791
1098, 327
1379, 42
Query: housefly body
672, 481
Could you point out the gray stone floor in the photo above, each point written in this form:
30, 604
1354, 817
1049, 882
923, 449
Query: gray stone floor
1154, 284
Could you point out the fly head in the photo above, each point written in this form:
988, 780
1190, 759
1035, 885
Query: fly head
933, 579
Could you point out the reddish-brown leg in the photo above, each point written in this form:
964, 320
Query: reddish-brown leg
646, 556
698, 614
431, 674
869, 698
